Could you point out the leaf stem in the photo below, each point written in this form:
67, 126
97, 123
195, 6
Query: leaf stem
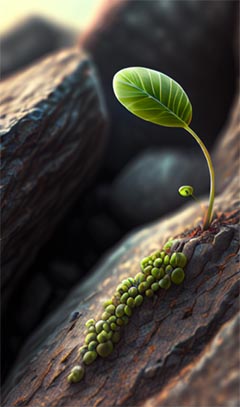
208, 216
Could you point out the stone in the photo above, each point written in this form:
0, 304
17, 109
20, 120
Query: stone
191, 41
147, 187
31, 40
53, 114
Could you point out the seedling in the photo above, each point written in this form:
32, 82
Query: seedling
159, 99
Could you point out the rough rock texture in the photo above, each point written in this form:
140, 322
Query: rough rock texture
30, 40
190, 41
52, 116
169, 333
150, 183
217, 368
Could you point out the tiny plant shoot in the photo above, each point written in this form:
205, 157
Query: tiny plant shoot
157, 98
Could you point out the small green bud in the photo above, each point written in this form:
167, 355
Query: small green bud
120, 310
166, 260
102, 337
144, 262
113, 326
131, 302
99, 326
110, 309
90, 337
124, 298
138, 300
165, 282
125, 319
119, 322
89, 357
92, 345
89, 323
149, 293
178, 259
139, 278
157, 263
105, 315
128, 310
116, 337
105, 349
107, 302
83, 349
112, 319
155, 286
177, 275
142, 287
106, 327
132, 292
150, 280
76, 374
168, 268
147, 270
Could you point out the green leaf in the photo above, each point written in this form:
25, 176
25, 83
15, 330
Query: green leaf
153, 96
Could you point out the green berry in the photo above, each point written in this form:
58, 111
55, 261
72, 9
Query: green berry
120, 310
92, 345
165, 282
149, 293
139, 278
147, 270
162, 254
106, 303
116, 337
128, 310
102, 337
90, 337
144, 262
106, 327
113, 326
138, 300
105, 349
157, 263
105, 315
132, 292
150, 280
166, 260
178, 259
89, 357
168, 269
112, 319
126, 282
177, 275
119, 322
89, 323
76, 374
155, 286
110, 309
99, 326
124, 298
131, 302
142, 287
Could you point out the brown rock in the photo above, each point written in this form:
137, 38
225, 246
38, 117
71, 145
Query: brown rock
52, 134
168, 334
30, 40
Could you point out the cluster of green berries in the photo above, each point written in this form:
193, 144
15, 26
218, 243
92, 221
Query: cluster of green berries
158, 270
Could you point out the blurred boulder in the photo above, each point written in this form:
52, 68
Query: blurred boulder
190, 41
53, 135
31, 39
148, 186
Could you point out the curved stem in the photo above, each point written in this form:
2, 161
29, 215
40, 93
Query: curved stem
208, 216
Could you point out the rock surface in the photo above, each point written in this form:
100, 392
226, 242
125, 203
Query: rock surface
30, 40
170, 333
190, 41
150, 183
52, 114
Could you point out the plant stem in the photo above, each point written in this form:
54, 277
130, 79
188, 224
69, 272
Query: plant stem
208, 217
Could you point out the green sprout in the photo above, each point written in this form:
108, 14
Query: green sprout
159, 99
